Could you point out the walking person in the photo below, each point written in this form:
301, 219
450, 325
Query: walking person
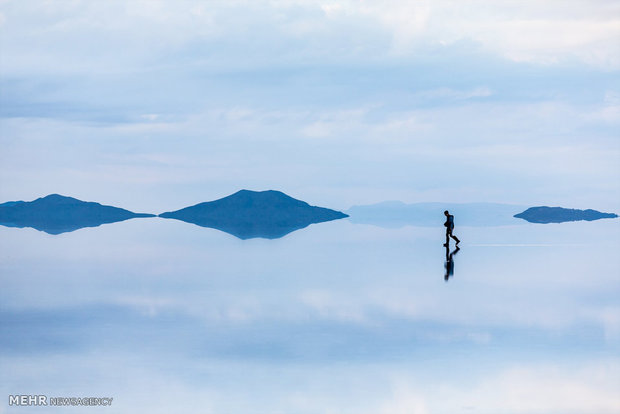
449, 227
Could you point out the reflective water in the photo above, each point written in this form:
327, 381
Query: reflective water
164, 316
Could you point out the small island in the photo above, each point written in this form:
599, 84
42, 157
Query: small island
249, 214
56, 214
545, 215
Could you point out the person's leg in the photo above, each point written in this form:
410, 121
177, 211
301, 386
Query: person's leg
455, 238
447, 238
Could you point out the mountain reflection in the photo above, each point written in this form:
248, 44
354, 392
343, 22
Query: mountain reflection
56, 214
55, 228
250, 229
248, 214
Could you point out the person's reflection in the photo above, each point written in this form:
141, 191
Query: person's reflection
449, 265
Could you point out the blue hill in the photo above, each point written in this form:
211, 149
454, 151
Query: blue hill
249, 214
559, 215
55, 214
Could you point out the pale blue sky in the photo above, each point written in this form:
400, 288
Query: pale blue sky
154, 105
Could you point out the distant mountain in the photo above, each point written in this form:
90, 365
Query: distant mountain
559, 215
398, 214
249, 214
55, 214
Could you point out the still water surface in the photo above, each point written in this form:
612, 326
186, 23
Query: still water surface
165, 316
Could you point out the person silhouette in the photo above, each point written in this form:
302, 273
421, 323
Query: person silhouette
449, 227
450, 262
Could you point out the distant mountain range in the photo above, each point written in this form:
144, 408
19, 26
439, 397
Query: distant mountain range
249, 214
56, 214
272, 214
398, 214
560, 215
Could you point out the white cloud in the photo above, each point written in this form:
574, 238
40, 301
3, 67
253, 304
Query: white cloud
449, 93
527, 389
80, 36
548, 42
538, 32
546, 389
330, 307
404, 400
